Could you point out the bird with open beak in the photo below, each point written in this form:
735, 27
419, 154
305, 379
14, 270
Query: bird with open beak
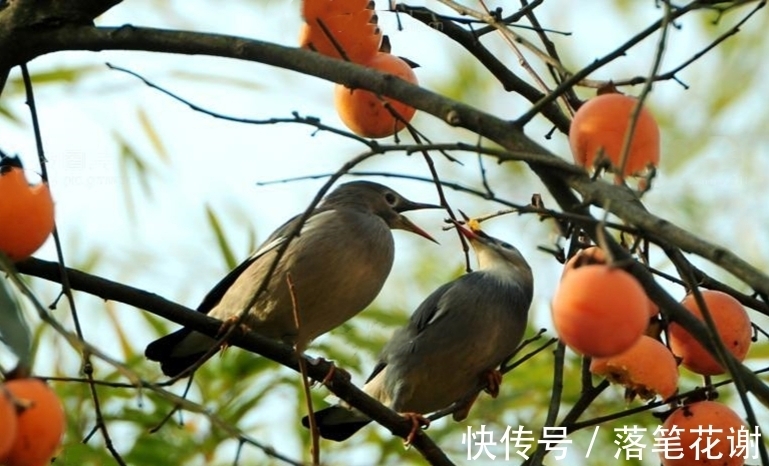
337, 264
456, 338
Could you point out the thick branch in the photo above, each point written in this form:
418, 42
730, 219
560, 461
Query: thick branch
471, 42
250, 341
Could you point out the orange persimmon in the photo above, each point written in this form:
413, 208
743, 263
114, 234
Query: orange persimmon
599, 310
355, 34
26, 211
312, 9
366, 114
8, 424
690, 425
732, 323
595, 255
648, 368
600, 126
41, 423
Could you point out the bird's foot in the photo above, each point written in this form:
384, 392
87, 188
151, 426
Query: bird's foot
493, 381
418, 421
227, 324
329, 374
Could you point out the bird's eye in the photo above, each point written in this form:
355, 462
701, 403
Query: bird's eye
391, 198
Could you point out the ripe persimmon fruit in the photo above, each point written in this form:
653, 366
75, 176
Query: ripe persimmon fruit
356, 34
647, 368
732, 323
26, 212
595, 255
41, 423
8, 424
349, 26
599, 310
365, 113
588, 256
312, 9
711, 424
599, 127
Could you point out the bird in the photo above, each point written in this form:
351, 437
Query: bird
457, 337
338, 264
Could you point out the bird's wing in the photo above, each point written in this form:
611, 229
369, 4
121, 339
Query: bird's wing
460, 293
430, 310
380, 365
427, 313
450, 299
216, 293
273, 242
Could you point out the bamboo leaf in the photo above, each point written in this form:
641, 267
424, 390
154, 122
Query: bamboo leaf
14, 331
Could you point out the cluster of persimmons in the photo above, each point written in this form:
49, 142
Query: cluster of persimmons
32, 422
31, 416
347, 30
601, 311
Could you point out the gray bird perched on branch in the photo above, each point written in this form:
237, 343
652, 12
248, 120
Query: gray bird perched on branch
457, 338
337, 264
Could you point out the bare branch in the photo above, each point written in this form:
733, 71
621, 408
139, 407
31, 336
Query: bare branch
251, 341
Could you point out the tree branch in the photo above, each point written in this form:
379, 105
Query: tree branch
338, 384
471, 42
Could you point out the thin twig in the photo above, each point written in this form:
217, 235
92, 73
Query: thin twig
597, 64
510, 39
514, 207
628, 137
136, 382
311, 121
501, 27
572, 426
484, 179
314, 435
721, 352
513, 18
470, 41
671, 74
66, 289
555, 402
557, 73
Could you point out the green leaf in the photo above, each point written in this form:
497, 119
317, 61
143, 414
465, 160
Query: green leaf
131, 163
6, 113
14, 331
152, 135
54, 77
221, 239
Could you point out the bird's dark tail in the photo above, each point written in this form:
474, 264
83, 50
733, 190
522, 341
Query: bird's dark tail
337, 423
166, 351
